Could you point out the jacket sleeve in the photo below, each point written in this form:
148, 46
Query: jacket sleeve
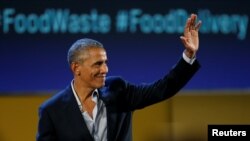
139, 96
46, 130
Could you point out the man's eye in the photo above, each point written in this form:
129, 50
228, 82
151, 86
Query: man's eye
98, 63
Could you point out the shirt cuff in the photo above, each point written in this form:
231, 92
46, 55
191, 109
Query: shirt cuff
188, 60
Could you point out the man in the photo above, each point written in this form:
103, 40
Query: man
96, 108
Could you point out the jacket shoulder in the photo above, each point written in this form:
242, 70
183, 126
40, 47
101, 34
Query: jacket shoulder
56, 99
115, 82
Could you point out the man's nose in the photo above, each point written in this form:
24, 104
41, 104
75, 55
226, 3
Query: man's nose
104, 68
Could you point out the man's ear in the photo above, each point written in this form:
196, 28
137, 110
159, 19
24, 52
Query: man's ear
75, 68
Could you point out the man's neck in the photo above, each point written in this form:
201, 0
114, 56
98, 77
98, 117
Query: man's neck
83, 92
85, 96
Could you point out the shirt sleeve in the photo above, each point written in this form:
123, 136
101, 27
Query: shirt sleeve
188, 60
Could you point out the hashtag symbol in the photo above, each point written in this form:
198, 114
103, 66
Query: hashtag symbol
122, 21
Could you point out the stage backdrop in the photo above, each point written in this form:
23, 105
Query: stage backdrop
141, 38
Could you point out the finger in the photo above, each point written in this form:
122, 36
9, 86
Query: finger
187, 26
198, 25
193, 19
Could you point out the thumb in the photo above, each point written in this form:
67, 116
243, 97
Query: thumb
184, 40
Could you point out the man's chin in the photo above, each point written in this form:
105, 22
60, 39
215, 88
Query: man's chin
101, 84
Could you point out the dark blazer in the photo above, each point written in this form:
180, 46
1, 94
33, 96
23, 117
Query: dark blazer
61, 120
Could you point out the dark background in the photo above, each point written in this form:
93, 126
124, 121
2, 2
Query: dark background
34, 62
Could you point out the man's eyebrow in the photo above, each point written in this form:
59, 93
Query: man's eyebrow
100, 62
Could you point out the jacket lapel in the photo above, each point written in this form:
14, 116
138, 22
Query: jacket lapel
74, 117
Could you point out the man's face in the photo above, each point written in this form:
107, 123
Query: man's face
94, 68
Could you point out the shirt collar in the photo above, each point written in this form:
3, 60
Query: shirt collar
95, 94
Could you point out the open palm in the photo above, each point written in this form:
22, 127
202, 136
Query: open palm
190, 39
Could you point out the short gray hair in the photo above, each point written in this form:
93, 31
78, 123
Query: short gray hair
79, 47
